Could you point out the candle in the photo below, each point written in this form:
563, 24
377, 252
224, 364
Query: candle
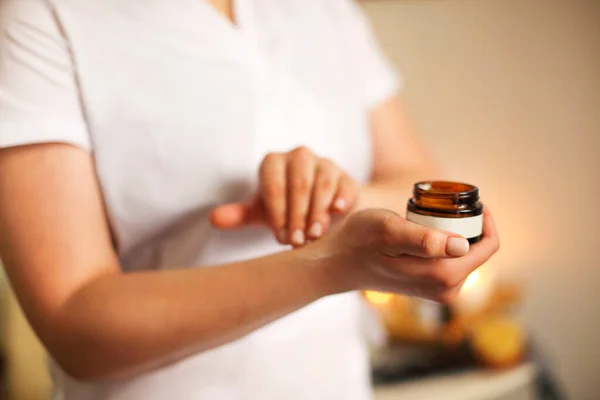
475, 291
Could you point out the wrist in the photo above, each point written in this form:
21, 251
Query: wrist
329, 270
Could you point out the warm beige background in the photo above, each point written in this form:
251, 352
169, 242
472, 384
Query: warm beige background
507, 94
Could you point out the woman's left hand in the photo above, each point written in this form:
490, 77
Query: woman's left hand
298, 193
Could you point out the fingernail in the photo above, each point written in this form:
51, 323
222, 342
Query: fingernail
298, 237
283, 236
316, 230
339, 204
457, 247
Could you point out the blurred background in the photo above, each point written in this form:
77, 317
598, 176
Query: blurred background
506, 93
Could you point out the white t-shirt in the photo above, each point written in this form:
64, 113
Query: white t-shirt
178, 107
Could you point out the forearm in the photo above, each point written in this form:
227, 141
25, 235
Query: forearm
124, 324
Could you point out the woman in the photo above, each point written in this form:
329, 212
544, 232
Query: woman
125, 127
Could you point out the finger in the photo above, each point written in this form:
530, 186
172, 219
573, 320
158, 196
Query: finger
412, 288
324, 189
489, 226
484, 249
345, 196
436, 274
402, 237
272, 187
230, 216
433, 292
417, 286
450, 273
301, 176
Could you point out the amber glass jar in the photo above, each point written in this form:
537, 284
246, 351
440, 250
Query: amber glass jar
450, 206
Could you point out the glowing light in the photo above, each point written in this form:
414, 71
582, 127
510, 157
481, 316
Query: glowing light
471, 280
378, 297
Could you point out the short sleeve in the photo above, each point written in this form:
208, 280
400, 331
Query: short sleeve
377, 77
39, 96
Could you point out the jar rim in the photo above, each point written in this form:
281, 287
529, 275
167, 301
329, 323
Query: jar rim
445, 189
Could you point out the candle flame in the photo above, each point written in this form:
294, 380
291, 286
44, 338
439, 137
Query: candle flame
378, 297
471, 280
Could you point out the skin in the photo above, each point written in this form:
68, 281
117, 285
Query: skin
98, 322
225, 7
300, 192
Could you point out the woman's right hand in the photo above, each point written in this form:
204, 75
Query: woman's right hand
380, 250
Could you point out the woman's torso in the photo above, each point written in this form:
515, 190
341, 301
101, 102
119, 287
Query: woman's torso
181, 107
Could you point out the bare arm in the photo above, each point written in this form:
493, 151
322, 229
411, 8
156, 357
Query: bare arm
55, 244
399, 158
97, 322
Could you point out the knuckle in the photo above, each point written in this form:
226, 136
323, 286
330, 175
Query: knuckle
446, 282
326, 163
269, 158
273, 189
300, 185
437, 273
302, 151
325, 183
387, 234
442, 278
296, 222
297, 215
317, 215
452, 282
427, 243
277, 222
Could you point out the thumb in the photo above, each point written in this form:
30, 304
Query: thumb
404, 237
233, 215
